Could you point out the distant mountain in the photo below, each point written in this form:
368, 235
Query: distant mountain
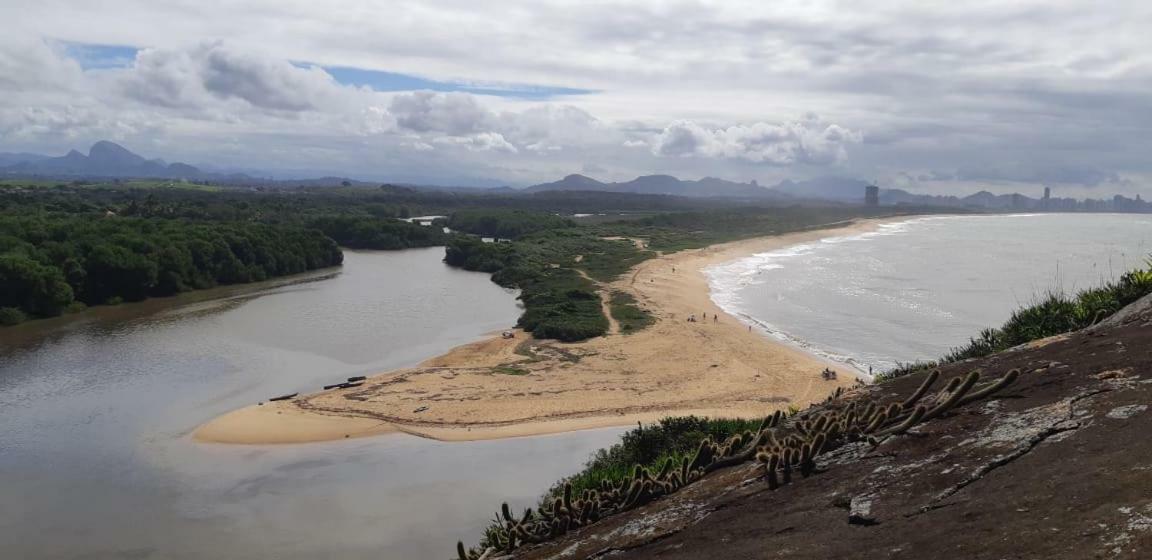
8, 158
663, 184
981, 200
104, 159
829, 188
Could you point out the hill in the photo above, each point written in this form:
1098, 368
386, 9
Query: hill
707, 187
104, 159
1052, 466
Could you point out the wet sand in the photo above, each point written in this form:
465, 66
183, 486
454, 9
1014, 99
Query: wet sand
519, 387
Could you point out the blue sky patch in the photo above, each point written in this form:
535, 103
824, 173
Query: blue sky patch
96, 57
392, 81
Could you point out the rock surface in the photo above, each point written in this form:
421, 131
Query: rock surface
1058, 465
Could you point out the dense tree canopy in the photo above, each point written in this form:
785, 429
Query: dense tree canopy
365, 232
503, 223
48, 262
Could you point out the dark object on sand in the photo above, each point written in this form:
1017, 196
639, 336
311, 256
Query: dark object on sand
352, 382
421, 409
828, 374
283, 397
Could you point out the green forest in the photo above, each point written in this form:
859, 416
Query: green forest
53, 263
67, 246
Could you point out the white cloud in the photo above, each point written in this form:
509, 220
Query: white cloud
454, 114
215, 71
806, 141
686, 87
480, 142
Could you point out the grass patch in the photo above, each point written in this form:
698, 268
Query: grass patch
509, 370
628, 313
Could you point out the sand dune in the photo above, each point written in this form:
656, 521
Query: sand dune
521, 386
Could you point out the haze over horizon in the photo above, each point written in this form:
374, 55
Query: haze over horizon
933, 99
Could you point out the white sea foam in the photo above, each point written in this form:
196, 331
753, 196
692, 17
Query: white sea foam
727, 280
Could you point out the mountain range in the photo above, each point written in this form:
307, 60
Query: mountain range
110, 160
827, 188
663, 184
104, 159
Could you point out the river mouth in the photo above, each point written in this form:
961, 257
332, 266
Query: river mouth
97, 412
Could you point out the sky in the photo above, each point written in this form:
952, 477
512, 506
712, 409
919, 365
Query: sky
933, 97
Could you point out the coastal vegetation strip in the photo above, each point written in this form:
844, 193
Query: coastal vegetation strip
1051, 314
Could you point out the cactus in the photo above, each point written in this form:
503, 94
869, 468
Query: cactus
773, 462
954, 397
880, 419
929, 380
949, 387
915, 418
1008, 379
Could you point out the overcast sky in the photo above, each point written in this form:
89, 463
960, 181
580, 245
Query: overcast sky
929, 96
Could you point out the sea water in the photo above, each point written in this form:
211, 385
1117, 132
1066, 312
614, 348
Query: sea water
914, 289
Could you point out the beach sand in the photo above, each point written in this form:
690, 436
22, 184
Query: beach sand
518, 387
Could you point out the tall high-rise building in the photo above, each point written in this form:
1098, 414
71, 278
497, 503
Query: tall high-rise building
872, 195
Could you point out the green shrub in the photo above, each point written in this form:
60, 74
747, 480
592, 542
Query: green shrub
11, 316
675, 436
627, 313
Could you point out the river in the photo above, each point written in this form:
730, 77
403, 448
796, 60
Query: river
96, 460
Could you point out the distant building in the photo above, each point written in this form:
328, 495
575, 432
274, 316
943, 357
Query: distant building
872, 195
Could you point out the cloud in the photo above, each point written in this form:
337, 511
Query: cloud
902, 87
481, 142
807, 141
32, 64
454, 114
215, 71
1055, 173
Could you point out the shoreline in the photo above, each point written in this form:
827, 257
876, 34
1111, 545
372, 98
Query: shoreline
498, 388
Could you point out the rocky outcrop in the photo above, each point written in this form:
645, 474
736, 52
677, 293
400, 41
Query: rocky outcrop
1057, 465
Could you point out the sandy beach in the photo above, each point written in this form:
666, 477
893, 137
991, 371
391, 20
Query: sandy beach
518, 387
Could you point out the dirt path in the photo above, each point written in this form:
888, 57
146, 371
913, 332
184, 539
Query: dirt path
613, 325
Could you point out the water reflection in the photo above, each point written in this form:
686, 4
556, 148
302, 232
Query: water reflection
95, 461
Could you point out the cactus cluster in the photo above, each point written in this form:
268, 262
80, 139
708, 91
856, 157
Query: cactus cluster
784, 443
823, 428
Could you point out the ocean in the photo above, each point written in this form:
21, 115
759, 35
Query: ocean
914, 289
